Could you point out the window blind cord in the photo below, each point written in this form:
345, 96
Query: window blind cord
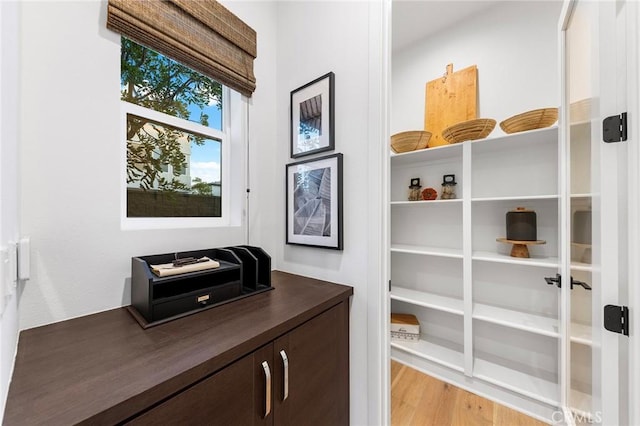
248, 171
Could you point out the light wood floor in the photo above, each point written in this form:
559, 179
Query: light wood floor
420, 400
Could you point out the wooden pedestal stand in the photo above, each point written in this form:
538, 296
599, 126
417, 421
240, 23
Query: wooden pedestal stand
519, 248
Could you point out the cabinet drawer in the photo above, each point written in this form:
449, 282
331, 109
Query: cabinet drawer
196, 300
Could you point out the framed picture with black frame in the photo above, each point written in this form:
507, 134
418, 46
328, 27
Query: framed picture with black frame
312, 117
314, 202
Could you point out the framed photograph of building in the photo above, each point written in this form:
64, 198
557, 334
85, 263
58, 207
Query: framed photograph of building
312, 117
314, 202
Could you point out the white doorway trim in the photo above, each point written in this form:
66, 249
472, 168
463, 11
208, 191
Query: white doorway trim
633, 113
378, 388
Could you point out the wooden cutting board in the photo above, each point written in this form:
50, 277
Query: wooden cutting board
449, 100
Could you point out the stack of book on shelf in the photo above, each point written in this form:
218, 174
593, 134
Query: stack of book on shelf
404, 328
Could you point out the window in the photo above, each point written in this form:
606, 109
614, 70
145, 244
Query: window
177, 143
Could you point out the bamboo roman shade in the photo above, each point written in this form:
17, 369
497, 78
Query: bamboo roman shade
201, 34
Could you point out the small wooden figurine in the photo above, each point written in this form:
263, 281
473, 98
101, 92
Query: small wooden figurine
414, 190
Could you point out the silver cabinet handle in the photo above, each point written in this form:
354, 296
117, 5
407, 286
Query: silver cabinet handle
285, 363
267, 376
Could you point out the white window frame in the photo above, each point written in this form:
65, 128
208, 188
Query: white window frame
232, 167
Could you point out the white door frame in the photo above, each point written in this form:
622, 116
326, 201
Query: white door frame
633, 110
9, 219
378, 311
615, 99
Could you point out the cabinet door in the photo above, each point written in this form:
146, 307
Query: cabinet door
317, 355
232, 396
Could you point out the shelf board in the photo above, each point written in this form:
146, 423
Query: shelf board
517, 198
433, 352
422, 202
581, 333
514, 319
443, 152
581, 404
486, 256
427, 251
548, 134
427, 300
532, 386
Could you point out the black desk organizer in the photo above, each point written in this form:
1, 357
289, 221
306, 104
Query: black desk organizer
243, 271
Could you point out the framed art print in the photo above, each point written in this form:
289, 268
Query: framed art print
312, 117
314, 202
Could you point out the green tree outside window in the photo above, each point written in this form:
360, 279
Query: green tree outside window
153, 81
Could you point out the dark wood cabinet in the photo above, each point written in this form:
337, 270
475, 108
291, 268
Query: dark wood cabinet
206, 368
300, 378
318, 363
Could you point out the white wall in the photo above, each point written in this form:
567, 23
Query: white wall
313, 39
263, 218
71, 159
8, 190
514, 47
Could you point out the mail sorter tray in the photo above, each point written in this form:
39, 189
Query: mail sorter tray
155, 300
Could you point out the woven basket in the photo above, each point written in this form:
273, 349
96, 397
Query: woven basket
409, 141
530, 120
478, 128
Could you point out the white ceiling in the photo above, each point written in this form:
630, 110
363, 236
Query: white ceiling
413, 20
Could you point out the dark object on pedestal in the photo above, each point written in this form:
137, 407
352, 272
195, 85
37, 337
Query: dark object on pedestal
521, 225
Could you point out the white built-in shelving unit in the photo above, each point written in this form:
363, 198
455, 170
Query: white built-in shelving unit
489, 321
